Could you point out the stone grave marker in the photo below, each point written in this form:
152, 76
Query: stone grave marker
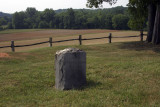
70, 69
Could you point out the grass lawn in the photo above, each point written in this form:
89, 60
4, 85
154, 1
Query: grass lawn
118, 74
10, 31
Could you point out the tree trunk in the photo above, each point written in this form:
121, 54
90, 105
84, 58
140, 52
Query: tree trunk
156, 31
151, 20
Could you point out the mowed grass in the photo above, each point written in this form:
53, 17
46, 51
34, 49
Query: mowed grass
118, 74
28, 34
10, 31
25, 38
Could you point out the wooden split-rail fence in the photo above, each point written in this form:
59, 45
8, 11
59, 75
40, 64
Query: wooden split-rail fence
80, 39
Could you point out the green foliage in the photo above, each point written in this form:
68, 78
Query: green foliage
51, 24
138, 13
48, 15
3, 21
9, 25
5, 15
98, 3
80, 20
92, 22
1, 28
31, 17
43, 24
18, 20
31, 12
137, 9
137, 24
120, 22
67, 19
108, 22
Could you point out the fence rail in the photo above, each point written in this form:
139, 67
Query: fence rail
125, 36
5, 46
64, 40
80, 39
31, 44
95, 38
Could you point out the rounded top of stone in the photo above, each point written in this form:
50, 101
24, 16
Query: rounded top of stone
68, 50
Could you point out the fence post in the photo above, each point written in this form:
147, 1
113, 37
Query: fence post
12, 46
50, 42
141, 35
110, 38
80, 39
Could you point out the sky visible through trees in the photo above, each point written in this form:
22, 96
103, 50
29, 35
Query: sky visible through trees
11, 6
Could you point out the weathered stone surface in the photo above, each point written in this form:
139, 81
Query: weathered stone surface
70, 69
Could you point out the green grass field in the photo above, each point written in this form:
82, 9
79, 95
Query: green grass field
10, 31
118, 74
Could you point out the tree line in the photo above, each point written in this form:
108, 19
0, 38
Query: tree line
111, 18
141, 11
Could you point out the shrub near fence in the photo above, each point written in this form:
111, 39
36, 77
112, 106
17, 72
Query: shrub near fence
80, 39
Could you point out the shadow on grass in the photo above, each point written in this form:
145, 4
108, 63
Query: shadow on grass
139, 46
92, 84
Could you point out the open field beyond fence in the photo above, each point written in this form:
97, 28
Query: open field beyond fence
24, 37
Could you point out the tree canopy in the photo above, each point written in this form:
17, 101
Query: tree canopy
98, 3
139, 11
70, 19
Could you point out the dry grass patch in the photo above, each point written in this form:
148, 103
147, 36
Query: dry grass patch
3, 55
64, 35
24, 35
